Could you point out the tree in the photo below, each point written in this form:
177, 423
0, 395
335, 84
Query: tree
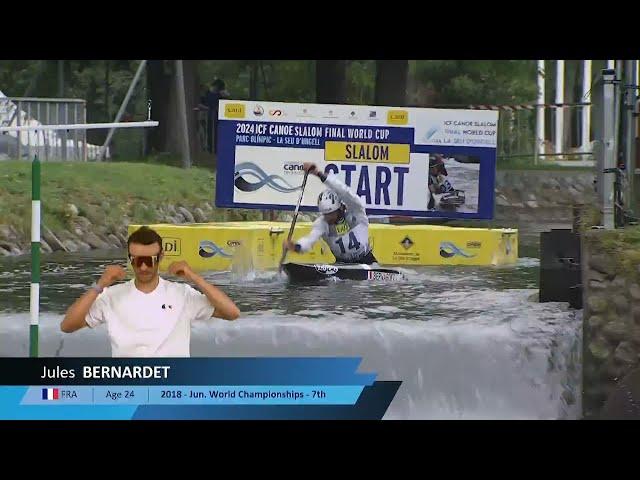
391, 82
331, 81
361, 77
161, 83
474, 82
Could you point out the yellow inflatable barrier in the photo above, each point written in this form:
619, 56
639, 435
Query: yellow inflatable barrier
258, 245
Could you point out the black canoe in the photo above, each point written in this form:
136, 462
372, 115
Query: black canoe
300, 272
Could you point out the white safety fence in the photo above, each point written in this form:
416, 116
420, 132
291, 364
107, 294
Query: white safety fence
67, 128
518, 135
47, 143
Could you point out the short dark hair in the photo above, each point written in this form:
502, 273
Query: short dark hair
144, 236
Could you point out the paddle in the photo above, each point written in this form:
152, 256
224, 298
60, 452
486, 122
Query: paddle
293, 221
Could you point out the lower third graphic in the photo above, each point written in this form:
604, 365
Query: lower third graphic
253, 171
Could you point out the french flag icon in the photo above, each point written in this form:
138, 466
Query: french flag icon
50, 394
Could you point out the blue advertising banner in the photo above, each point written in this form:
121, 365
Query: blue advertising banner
401, 161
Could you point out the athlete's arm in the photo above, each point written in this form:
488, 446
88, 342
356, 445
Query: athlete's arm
74, 319
224, 306
306, 243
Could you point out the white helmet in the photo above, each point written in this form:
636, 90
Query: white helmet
328, 202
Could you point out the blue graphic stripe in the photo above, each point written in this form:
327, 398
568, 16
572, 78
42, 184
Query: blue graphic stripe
352, 402
255, 395
372, 404
116, 395
11, 408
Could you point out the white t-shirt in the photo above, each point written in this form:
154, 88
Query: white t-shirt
155, 324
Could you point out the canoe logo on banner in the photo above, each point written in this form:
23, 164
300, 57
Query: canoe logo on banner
450, 249
208, 249
327, 269
253, 171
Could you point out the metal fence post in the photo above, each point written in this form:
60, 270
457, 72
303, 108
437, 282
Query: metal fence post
28, 131
65, 154
84, 132
38, 144
56, 136
76, 156
47, 144
19, 123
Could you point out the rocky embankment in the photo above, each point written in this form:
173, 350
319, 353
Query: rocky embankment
611, 339
523, 199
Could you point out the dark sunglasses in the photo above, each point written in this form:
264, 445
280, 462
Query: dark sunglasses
149, 260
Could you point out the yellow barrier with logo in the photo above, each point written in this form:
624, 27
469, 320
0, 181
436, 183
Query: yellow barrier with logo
258, 245
440, 245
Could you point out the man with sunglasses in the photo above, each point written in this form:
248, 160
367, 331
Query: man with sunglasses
148, 316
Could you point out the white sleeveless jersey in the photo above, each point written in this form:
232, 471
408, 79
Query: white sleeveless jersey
349, 239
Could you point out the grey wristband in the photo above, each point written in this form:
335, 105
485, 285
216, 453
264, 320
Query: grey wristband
97, 288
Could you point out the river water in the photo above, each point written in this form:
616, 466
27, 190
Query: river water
466, 342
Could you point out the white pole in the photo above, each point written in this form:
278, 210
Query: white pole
80, 126
607, 200
125, 102
559, 99
586, 110
540, 109
611, 64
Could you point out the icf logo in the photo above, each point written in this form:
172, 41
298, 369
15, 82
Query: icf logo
258, 111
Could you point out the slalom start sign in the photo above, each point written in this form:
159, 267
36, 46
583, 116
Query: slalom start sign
422, 162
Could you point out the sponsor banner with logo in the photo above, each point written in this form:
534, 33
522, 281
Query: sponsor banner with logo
400, 161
